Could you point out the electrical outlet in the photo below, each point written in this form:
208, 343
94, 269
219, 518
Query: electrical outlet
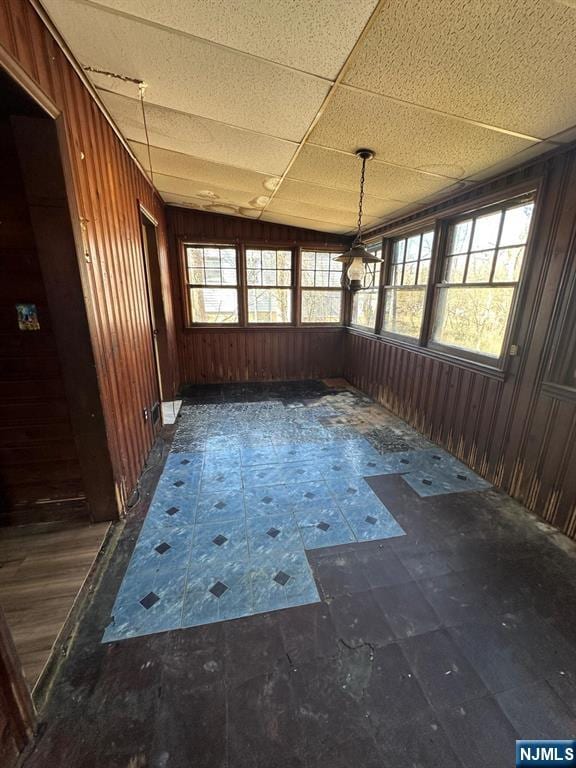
145, 414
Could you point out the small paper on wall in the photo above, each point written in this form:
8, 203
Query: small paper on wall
27, 317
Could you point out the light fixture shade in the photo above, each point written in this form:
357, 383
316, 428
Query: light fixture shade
359, 250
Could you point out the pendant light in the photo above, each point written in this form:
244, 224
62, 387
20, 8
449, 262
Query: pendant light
358, 256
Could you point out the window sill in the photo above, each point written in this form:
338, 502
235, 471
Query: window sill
460, 362
260, 328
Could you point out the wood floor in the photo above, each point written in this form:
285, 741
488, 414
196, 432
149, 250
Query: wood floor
41, 572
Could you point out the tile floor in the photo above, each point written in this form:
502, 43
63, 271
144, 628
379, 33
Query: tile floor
435, 649
245, 491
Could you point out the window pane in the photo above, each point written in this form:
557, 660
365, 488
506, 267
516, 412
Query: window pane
486, 231
460, 237
403, 311
398, 251
454, 267
284, 259
269, 259
268, 277
336, 277
269, 305
196, 275
213, 277
308, 278
410, 270
508, 265
214, 305
396, 275
364, 308
308, 260
516, 225
412, 248
229, 277
228, 258
479, 267
424, 272
284, 277
473, 318
194, 257
321, 306
427, 243
252, 259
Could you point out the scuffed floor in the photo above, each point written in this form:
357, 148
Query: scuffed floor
438, 645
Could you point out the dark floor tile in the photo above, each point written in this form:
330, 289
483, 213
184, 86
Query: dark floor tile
421, 743
243, 636
480, 734
537, 712
492, 654
381, 565
456, 598
339, 574
406, 610
564, 684
393, 696
263, 728
343, 754
425, 565
308, 633
538, 644
445, 675
358, 619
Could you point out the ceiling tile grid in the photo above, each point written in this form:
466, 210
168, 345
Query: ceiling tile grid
256, 108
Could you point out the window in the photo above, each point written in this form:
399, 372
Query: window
212, 283
365, 302
321, 287
405, 292
481, 271
269, 280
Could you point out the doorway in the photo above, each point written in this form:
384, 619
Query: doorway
149, 234
57, 488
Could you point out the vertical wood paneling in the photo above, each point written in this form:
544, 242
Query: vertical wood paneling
510, 428
108, 187
250, 354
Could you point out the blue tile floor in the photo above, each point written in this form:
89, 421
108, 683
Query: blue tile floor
246, 490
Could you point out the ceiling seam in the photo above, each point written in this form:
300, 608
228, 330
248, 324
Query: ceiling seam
199, 38
331, 92
459, 118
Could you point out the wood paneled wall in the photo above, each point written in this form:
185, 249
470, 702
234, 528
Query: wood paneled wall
106, 188
215, 355
517, 429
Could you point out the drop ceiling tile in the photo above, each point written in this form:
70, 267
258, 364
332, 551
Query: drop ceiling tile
209, 194
197, 136
228, 209
337, 199
181, 166
190, 74
531, 153
508, 64
311, 36
407, 135
317, 213
305, 223
342, 171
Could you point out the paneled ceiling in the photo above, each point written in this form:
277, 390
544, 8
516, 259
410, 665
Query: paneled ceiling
255, 107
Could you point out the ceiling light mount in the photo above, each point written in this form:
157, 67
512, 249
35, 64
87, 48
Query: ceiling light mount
358, 256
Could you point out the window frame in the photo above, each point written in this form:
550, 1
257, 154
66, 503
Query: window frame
301, 289
379, 244
419, 228
292, 287
241, 246
188, 315
502, 204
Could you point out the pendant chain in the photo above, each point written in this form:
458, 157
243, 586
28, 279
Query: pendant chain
361, 201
